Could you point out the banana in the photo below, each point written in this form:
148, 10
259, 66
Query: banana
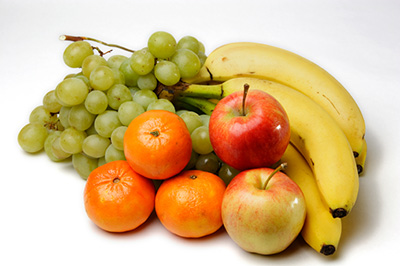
321, 231
360, 160
314, 133
246, 59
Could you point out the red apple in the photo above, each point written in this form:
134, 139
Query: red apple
263, 213
250, 137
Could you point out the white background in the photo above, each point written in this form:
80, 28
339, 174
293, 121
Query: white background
43, 221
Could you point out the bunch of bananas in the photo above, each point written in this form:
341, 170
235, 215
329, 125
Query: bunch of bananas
327, 148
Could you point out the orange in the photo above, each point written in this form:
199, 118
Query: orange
189, 204
116, 198
157, 144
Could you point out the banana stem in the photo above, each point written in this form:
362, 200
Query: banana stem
203, 105
183, 89
204, 91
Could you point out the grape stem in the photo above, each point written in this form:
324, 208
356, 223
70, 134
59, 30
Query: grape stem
83, 38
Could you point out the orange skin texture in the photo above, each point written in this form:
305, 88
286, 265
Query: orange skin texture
157, 156
117, 199
189, 204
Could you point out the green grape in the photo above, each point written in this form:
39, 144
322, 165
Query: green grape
128, 111
147, 82
131, 76
167, 73
83, 164
192, 120
50, 102
188, 42
161, 104
72, 75
91, 130
115, 61
119, 77
117, 137
113, 154
57, 151
83, 78
42, 116
101, 161
162, 44
95, 145
192, 162
96, 102
142, 61
179, 112
205, 119
117, 95
71, 140
202, 48
227, 173
102, 78
49, 143
31, 137
106, 122
145, 97
80, 118
208, 162
76, 52
157, 183
188, 62
63, 116
91, 62
201, 140
133, 90
202, 57
71, 91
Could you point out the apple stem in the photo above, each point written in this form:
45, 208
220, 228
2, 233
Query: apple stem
245, 91
279, 168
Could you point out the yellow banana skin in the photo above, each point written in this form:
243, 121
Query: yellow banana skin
313, 132
247, 59
321, 231
360, 160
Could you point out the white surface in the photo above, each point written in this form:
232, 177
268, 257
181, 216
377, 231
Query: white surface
42, 214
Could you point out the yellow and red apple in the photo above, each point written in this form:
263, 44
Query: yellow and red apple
263, 211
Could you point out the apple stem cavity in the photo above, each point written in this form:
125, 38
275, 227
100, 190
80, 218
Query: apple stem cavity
279, 168
245, 91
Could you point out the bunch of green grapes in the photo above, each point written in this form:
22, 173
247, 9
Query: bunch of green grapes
165, 60
85, 117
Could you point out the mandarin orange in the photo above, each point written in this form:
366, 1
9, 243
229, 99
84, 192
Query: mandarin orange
189, 204
116, 198
157, 144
